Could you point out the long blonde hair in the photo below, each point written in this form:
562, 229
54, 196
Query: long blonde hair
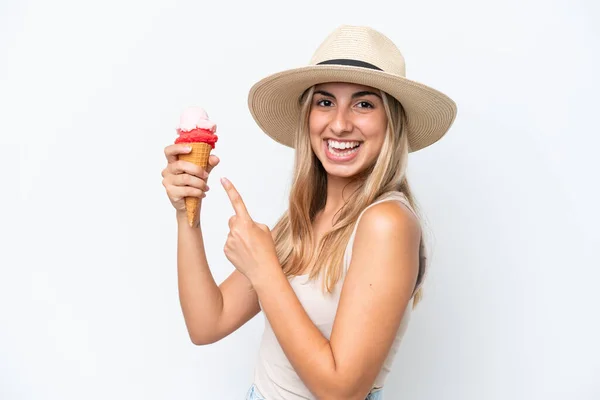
293, 233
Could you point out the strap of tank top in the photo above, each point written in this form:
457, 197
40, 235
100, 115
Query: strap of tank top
386, 197
399, 196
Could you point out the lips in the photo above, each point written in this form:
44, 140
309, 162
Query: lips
342, 144
340, 155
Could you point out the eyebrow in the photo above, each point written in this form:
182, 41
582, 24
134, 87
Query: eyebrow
355, 95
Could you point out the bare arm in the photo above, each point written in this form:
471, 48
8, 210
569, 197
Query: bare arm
375, 294
211, 312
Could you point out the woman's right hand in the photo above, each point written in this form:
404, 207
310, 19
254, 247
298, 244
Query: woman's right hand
182, 179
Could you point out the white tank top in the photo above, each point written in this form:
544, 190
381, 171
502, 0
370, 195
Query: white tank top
274, 376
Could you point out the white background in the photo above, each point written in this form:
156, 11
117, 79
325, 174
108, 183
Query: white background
90, 93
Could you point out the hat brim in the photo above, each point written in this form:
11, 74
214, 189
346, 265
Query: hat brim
274, 101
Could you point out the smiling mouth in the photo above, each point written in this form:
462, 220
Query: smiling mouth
342, 145
341, 150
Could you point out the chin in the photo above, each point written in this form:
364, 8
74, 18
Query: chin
342, 171
345, 171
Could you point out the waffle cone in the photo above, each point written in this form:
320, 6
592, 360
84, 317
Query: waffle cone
199, 156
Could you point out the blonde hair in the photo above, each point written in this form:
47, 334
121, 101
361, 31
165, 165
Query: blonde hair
293, 233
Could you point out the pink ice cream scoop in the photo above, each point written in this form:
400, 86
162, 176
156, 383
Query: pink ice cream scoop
196, 127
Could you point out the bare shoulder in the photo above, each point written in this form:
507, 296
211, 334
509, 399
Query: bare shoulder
389, 220
386, 247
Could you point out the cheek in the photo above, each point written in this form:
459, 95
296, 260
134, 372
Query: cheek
312, 121
315, 126
374, 131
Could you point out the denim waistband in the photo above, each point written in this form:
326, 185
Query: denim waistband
254, 394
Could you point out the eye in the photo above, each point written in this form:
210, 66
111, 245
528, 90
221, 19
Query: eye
365, 104
324, 103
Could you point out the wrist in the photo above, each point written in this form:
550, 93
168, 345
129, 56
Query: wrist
181, 215
182, 219
266, 275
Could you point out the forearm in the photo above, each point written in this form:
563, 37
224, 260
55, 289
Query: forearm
200, 297
305, 347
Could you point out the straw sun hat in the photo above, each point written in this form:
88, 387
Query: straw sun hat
357, 55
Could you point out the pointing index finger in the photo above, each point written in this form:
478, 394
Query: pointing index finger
235, 198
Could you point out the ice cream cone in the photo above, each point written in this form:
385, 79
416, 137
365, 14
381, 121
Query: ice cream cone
199, 156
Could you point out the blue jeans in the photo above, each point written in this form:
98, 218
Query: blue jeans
253, 394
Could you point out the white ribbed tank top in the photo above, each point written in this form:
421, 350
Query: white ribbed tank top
274, 376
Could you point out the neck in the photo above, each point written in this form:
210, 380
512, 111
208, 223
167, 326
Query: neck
338, 190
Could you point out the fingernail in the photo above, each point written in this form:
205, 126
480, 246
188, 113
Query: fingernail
207, 188
188, 148
224, 181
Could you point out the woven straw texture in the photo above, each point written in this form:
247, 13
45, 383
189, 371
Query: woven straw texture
198, 156
274, 101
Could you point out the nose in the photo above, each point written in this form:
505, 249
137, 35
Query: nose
341, 123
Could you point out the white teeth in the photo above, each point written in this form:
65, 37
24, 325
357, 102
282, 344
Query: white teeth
341, 145
342, 153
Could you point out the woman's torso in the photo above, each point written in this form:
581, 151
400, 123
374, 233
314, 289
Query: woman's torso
274, 376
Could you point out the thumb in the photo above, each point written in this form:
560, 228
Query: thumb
264, 228
213, 161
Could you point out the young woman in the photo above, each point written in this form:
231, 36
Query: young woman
338, 275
